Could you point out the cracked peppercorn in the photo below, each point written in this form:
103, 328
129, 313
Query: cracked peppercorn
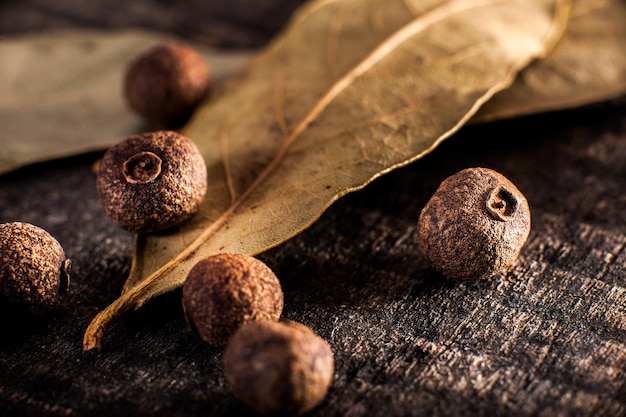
474, 226
224, 291
152, 181
33, 268
278, 368
165, 84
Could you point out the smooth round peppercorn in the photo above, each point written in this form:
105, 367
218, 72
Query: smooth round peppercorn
33, 268
224, 291
278, 368
165, 84
152, 182
474, 226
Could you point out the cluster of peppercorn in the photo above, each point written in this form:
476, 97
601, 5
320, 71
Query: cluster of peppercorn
472, 228
276, 367
154, 181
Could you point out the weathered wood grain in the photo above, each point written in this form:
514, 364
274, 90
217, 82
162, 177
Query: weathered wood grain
225, 23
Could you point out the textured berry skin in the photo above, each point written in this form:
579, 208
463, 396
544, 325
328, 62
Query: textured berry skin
33, 268
474, 226
166, 83
151, 182
278, 368
224, 291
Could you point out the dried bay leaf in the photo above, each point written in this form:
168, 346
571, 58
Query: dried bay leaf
587, 65
62, 91
312, 119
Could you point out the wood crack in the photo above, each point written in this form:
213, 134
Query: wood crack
610, 260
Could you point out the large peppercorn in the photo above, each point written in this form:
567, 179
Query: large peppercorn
224, 291
152, 182
474, 225
165, 84
278, 368
33, 268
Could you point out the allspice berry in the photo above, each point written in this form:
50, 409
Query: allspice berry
474, 226
33, 268
278, 368
224, 291
166, 83
152, 181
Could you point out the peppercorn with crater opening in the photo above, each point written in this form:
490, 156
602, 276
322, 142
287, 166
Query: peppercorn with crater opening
474, 226
166, 83
278, 368
33, 268
152, 181
224, 291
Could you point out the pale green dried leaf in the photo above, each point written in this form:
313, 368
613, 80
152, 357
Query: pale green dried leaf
587, 65
350, 91
62, 91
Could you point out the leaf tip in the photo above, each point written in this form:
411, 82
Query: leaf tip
92, 339
95, 331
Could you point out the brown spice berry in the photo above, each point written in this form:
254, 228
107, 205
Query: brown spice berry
474, 225
224, 291
278, 368
33, 268
165, 84
152, 182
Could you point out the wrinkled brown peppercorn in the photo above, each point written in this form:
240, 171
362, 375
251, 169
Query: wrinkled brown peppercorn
165, 84
474, 225
152, 182
278, 368
224, 291
33, 268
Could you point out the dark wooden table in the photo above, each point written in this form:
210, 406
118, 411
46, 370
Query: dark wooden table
546, 338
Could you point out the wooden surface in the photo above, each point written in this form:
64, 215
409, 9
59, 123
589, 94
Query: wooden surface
547, 338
